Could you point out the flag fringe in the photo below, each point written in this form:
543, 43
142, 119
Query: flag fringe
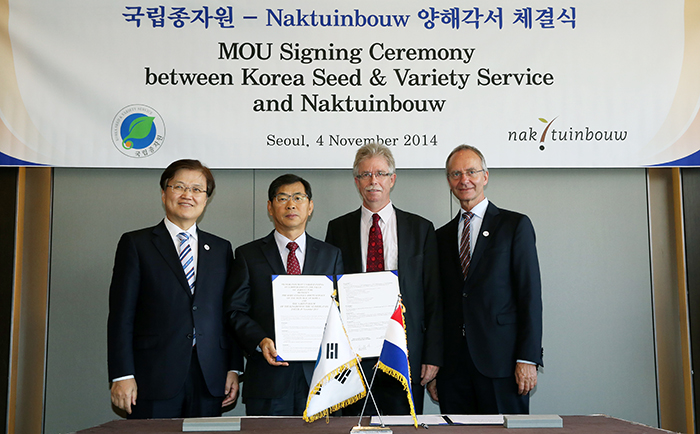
338, 406
327, 412
397, 375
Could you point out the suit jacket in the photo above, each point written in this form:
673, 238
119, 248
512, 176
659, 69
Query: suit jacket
152, 313
418, 280
250, 307
500, 303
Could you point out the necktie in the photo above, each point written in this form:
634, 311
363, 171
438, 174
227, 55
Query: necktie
292, 262
187, 258
375, 247
465, 255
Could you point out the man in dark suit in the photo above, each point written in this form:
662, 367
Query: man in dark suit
492, 298
166, 327
409, 246
274, 387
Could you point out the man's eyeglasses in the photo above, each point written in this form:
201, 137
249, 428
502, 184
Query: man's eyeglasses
471, 174
181, 189
379, 175
284, 198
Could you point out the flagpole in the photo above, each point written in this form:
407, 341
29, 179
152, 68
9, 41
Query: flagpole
369, 392
369, 389
383, 428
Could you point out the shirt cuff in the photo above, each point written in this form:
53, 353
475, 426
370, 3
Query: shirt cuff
127, 377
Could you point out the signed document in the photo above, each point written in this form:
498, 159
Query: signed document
367, 301
301, 308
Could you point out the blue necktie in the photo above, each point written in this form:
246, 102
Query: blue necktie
187, 258
187, 261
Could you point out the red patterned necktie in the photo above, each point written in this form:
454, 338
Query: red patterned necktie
292, 262
465, 255
375, 247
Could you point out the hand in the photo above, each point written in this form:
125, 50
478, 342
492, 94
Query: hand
428, 373
432, 390
267, 346
231, 391
526, 377
124, 394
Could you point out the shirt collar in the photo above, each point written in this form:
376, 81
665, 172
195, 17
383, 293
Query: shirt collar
282, 241
173, 229
384, 214
479, 210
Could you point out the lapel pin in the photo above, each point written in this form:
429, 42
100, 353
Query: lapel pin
206, 247
486, 233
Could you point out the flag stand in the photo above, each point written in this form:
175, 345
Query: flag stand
359, 429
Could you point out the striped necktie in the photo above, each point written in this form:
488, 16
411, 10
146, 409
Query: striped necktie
465, 256
187, 258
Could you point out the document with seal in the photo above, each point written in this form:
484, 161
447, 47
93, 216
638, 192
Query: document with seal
301, 308
367, 301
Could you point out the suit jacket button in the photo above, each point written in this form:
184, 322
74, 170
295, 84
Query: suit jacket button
194, 307
189, 336
465, 295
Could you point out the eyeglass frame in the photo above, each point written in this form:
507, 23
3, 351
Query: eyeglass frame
296, 198
379, 174
196, 191
471, 174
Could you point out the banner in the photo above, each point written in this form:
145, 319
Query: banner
304, 83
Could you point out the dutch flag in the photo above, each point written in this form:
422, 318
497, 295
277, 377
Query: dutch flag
393, 359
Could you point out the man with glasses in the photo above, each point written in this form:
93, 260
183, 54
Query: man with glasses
274, 387
377, 237
492, 299
169, 354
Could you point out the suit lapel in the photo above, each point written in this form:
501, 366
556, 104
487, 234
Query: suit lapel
164, 244
453, 244
402, 240
272, 253
490, 219
311, 257
203, 261
354, 242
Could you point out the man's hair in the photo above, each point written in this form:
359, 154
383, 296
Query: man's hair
170, 171
373, 150
466, 148
286, 180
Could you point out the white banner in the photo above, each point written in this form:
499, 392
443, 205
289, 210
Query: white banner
302, 84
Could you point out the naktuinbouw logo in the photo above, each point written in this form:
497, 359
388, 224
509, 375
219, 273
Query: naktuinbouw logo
138, 131
566, 134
